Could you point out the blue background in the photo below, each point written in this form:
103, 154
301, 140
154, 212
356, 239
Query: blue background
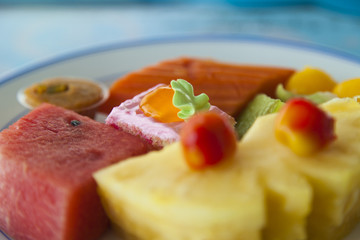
31, 31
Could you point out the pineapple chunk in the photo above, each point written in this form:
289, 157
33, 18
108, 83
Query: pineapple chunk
333, 173
265, 192
288, 194
157, 196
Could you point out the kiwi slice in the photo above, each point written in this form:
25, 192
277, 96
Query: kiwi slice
317, 98
259, 106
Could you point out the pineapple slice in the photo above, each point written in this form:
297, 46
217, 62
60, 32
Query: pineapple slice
333, 173
288, 195
157, 196
265, 192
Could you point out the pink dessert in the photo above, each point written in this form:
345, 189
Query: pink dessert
46, 163
130, 118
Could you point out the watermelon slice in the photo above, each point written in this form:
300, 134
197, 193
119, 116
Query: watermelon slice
46, 163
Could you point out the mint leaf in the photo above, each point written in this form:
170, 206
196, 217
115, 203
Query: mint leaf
186, 101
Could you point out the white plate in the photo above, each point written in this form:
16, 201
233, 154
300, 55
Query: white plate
107, 63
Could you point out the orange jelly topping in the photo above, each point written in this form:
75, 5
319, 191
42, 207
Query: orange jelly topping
158, 105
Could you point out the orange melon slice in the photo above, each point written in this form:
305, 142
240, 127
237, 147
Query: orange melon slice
229, 86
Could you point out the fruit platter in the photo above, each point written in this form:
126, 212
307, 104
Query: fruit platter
218, 137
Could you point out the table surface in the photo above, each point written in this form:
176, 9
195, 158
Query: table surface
32, 33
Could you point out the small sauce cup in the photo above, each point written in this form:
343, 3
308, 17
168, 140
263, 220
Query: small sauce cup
80, 95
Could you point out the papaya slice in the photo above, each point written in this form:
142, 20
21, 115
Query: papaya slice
229, 86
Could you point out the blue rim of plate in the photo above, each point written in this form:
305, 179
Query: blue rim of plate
1, 232
182, 39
